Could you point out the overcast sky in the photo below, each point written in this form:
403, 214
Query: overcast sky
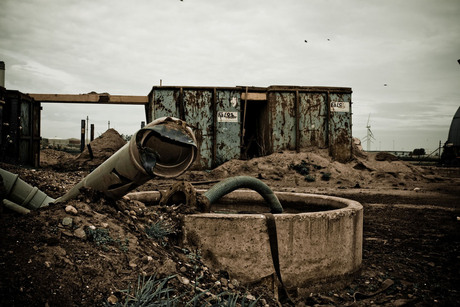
126, 47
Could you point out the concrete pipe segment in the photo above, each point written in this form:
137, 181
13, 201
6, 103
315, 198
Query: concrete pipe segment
319, 238
166, 148
20, 195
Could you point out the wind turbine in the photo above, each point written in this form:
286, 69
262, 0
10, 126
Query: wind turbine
370, 136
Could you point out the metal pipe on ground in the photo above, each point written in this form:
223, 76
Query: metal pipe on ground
22, 193
15, 207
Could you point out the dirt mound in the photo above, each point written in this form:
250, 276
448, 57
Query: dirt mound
318, 169
385, 156
102, 148
51, 157
358, 148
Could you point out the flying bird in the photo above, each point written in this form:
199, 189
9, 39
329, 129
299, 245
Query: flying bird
306, 41
385, 84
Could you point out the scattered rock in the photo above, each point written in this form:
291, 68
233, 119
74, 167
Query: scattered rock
250, 297
184, 280
80, 233
112, 299
401, 302
132, 264
71, 209
67, 221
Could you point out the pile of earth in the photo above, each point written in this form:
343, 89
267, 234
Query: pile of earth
96, 152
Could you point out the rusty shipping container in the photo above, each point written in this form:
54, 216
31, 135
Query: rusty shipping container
20, 129
246, 122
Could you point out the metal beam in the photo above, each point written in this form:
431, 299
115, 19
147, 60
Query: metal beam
91, 98
253, 96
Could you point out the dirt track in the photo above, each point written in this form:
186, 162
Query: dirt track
410, 252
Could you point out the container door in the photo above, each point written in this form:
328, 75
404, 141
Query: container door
228, 126
282, 120
198, 114
340, 135
312, 119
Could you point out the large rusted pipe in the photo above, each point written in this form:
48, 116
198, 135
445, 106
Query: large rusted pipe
166, 147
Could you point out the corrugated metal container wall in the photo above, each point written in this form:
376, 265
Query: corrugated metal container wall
313, 119
212, 113
277, 118
300, 117
21, 130
228, 121
282, 118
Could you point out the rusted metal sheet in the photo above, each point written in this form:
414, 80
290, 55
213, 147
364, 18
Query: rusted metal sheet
340, 134
164, 103
198, 114
212, 113
228, 125
313, 119
282, 120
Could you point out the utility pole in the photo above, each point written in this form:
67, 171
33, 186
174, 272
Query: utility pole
82, 137
439, 150
92, 133
87, 131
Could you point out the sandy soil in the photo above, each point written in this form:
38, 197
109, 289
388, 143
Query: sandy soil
410, 252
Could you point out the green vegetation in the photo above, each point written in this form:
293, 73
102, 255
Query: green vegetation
150, 292
310, 178
326, 176
156, 292
159, 231
101, 237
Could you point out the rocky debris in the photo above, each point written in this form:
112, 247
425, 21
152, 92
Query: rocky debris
67, 221
71, 210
